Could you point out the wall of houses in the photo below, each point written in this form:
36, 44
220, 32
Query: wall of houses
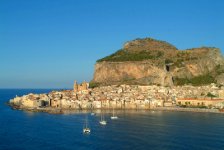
124, 96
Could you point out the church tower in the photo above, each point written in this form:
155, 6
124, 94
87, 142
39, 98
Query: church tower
75, 87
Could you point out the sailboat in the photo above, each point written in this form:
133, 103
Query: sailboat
102, 120
86, 129
113, 117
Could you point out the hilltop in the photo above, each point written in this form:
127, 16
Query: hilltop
142, 49
149, 61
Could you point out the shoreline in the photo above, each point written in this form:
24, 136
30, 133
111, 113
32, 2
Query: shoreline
51, 110
179, 109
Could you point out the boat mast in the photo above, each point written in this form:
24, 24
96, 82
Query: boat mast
101, 116
86, 121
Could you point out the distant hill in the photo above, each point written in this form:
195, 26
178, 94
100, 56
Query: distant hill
148, 61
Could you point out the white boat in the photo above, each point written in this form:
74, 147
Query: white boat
102, 120
113, 117
92, 114
86, 129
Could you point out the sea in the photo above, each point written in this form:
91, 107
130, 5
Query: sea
133, 130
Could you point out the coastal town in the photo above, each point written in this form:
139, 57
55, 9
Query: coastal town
145, 74
151, 97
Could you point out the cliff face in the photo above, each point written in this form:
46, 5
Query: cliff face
148, 61
128, 72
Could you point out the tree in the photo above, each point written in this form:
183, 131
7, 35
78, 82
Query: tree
211, 95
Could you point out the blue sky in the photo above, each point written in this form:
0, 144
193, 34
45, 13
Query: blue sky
51, 43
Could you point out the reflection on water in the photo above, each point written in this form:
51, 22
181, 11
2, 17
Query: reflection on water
140, 129
30, 113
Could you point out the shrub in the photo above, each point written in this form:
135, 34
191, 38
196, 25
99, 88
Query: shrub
219, 69
211, 95
93, 84
167, 61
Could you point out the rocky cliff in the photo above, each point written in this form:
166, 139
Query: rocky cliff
149, 61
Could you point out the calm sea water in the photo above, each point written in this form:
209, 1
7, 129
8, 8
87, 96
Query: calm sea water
20, 130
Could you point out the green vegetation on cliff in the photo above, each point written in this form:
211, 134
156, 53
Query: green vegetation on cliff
93, 84
219, 69
123, 55
196, 81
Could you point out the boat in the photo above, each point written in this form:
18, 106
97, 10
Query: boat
102, 120
113, 117
86, 129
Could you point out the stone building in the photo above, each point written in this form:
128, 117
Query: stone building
56, 103
221, 93
29, 103
80, 88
